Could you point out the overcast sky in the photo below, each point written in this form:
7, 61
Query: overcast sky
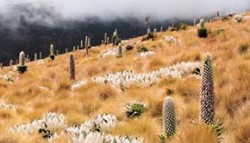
110, 9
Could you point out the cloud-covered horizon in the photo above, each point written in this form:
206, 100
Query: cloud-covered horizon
52, 12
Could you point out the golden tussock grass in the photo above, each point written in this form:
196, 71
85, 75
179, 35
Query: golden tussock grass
46, 88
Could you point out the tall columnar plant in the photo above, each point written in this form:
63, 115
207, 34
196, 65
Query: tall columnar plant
155, 30
89, 42
108, 40
11, 63
169, 117
86, 41
115, 38
52, 52
72, 67
21, 68
40, 55
27, 58
81, 44
207, 92
149, 35
119, 51
105, 38
194, 21
35, 57
202, 31
86, 46
148, 31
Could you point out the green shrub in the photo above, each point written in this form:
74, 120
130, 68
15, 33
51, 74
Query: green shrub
202, 33
135, 109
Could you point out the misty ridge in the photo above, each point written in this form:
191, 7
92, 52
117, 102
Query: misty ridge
32, 25
54, 12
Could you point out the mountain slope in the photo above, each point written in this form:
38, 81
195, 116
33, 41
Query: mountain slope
46, 87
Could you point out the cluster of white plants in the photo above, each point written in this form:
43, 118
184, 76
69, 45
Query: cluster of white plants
9, 77
78, 84
7, 106
94, 131
127, 78
49, 120
237, 18
146, 54
110, 52
97, 137
101, 123
170, 39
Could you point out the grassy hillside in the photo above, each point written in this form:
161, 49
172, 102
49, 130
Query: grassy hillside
46, 87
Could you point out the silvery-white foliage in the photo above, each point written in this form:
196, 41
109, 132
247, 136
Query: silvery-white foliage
78, 84
8, 77
128, 77
170, 39
51, 120
144, 79
110, 52
7, 106
237, 18
147, 54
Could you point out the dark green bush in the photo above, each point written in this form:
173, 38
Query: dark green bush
202, 33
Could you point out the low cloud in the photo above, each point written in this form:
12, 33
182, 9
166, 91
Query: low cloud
53, 12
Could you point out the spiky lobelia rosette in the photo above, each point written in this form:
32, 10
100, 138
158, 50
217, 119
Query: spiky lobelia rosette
72, 67
207, 92
169, 117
